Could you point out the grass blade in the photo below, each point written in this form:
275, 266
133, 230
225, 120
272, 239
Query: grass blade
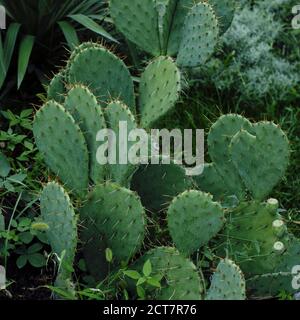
92, 25
24, 55
69, 33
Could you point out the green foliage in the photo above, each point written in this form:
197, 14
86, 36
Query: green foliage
227, 283
180, 280
46, 17
145, 282
251, 68
31, 255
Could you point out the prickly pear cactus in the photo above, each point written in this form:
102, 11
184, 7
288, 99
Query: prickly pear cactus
256, 237
158, 184
184, 27
104, 73
199, 37
181, 280
117, 114
84, 108
285, 276
261, 157
112, 217
159, 90
228, 283
56, 89
63, 146
138, 22
240, 154
183, 7
193, 220
58, 213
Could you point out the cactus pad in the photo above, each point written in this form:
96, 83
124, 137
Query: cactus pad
56, 89
58, 213
199, 36
262, 158
159, 90
83, 106
284, 276
228, 283
138, 22
193, 213
63, 146
115, 112
114, 218
157, 185
181, 280
104, 73
223, 170
175, 37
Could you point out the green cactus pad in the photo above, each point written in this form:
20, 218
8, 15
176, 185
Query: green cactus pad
105, 75
284, 277
112, 217
225, 10
250, 235
138, 22
56, 90
116, 112
58, 213
83, 106
222, 171
181, 280
228, 283
262, 158
157, 185
165, 10
159, 90
63, 146
175, 37
199, 37
211, 181
193, 220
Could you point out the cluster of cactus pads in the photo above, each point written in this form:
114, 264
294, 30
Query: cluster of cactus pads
225, 208
249, 231
185, 29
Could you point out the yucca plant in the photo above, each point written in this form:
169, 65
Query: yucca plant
33, 21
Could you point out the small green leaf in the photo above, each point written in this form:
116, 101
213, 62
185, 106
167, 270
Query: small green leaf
21, 261
132, 274
154, 282
26, 237
24, 222
141, 292
4, 166
37, 260
108, 255
147, 269
141, 281
26, 113
82, 265
35, 248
